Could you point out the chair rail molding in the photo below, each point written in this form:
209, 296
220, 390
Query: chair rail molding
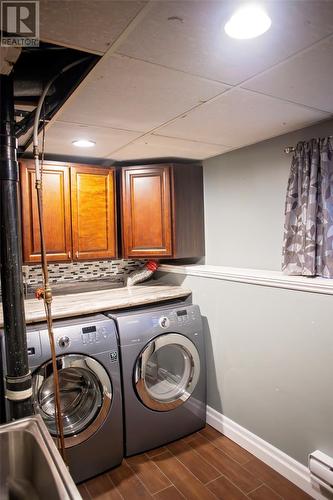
275, 279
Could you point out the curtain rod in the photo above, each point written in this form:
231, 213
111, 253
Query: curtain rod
291, 149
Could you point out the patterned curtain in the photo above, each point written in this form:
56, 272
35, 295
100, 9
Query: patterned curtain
308, 230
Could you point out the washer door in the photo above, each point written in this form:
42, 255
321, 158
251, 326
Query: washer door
85, 393
166, 372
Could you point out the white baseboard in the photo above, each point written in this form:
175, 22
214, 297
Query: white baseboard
296, 472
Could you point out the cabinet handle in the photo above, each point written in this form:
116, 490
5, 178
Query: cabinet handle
77, 254
69, 254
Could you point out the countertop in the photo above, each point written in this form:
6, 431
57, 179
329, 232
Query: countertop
77, 304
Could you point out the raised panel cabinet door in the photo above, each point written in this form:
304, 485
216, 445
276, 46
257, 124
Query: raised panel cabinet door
146, 205
93, 212
56, 211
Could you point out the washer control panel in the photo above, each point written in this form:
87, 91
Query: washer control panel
93, 333
90, 335
64, 342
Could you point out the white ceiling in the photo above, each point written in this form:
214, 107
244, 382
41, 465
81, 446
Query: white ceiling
306, 78
237, 118
136, 95
198, 44
59, 139
178, 86
91, 25
156, 146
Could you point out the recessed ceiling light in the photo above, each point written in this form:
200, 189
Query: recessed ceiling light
83, 143
249, 21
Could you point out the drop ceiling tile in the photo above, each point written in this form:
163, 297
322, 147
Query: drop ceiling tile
240, 117
135, 95
91, 25
189, 36
156, 146
306, 79
59, 137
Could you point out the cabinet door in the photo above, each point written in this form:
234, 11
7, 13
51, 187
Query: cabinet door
146, 210
93, 212
56, 208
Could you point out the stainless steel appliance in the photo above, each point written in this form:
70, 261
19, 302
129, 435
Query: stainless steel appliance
91, 401
164, 374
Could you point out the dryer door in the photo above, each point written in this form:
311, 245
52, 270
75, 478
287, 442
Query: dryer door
166, 372
85, 392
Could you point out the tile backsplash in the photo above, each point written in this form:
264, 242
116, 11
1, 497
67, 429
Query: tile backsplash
81, 271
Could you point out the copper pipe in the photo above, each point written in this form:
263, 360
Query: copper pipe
47, 297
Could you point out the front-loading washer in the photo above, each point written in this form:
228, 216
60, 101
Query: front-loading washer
90, 389
163, 373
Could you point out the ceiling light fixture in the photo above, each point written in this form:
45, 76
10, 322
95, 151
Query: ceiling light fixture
247, 22
83, 143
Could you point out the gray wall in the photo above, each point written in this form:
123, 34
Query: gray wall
244, 201
269, 358
269, 350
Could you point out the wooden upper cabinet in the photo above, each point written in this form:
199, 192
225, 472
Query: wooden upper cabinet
56, 208
161, 206
93, 212
188, 211
162, 211
146, 210
79, 212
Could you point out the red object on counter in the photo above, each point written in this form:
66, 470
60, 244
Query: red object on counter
151, 265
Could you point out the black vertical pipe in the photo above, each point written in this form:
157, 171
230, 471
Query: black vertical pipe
18, 377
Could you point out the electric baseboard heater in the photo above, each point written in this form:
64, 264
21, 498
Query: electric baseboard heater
321, 469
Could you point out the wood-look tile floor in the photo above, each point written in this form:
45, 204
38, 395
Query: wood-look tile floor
204, 465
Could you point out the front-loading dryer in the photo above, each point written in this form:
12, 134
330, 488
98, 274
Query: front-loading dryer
164, 374
90, 390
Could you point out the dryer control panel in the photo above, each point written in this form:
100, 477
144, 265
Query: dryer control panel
135, 328
186, 315
178, 317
